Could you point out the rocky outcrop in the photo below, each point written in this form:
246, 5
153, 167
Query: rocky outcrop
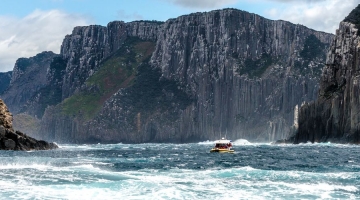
5, 116
225, 72
16, 140
335, 115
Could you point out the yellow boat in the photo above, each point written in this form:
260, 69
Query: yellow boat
222, 146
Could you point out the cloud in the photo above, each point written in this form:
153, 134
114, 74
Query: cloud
122, 15
39, 31
203, 4
322, 15
308, 1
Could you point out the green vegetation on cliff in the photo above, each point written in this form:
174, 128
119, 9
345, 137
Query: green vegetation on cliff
354, 18
152, 93
23, 63
57, 66
255, 68
312, 49
116, 72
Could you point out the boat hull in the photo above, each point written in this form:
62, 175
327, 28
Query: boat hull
221, 151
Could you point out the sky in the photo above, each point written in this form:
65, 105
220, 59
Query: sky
29, 27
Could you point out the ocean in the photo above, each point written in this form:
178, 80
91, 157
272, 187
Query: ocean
182, 171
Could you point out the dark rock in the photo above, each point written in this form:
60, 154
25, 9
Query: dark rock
2, 131
335, 116
9, 144
10, 140
5, 78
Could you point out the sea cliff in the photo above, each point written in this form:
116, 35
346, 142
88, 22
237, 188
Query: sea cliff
196, 77
334, 117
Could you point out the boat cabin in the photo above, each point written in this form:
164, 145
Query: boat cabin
222, 146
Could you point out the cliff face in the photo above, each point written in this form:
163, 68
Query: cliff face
225, 72
57, 77
28, 77
5, 78
88, 46
246, 72
335, 116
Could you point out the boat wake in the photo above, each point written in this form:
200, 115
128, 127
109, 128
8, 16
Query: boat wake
242, 142
235, 142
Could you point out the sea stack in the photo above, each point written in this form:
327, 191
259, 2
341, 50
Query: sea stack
16, 140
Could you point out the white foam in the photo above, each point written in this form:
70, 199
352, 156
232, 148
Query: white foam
241, 142
23, 166
207, 142
236, 142
243, 182
88, 178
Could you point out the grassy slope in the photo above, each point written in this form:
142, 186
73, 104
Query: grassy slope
116, 72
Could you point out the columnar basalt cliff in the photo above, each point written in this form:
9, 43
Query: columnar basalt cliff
335, 115
246, 72
225, 72
16, 140
47, 79
88, 46
196, 77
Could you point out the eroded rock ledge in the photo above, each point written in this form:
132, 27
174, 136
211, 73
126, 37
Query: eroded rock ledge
16, 140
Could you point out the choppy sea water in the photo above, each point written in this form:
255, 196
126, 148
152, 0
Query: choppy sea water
182, 171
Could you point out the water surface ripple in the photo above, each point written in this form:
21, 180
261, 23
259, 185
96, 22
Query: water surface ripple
182, 171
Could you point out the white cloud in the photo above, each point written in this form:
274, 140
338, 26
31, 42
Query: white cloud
203, 4
322, 15
124, 16
39, 31
287, 1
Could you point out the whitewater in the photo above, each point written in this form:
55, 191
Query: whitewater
182, 171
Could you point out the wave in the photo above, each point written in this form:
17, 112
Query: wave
235, 142
207, 142
242, 142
